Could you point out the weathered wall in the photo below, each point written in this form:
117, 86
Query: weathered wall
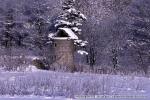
64, 50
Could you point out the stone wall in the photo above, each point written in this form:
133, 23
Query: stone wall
64, 54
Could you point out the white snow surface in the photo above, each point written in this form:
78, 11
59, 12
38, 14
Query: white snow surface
70, 33
51, 35
42, 85
32, 68
81, 43
83, 16
60, 22
82, 52
72, 10
31, 97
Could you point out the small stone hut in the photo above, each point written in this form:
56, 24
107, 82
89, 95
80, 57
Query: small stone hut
63, 45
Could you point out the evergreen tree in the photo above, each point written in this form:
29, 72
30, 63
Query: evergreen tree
71, 18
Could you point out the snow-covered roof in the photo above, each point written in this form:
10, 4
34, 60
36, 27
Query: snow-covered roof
60, 38
69, 32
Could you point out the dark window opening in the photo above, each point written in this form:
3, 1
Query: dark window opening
62, 34
54, 44
54, 57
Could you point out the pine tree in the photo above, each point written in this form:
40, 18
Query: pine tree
71, 18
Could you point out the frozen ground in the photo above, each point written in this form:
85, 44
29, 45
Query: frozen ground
32, 98
59, 98
43, 85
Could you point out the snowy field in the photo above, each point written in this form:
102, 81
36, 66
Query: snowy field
33, 98
45, 85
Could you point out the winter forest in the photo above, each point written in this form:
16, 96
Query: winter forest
89, 43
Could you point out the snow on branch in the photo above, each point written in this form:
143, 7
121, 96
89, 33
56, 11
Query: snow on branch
82, 52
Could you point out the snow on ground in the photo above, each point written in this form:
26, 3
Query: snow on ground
46, 84
32, 98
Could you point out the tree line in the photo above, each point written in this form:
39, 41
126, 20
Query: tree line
117, 31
